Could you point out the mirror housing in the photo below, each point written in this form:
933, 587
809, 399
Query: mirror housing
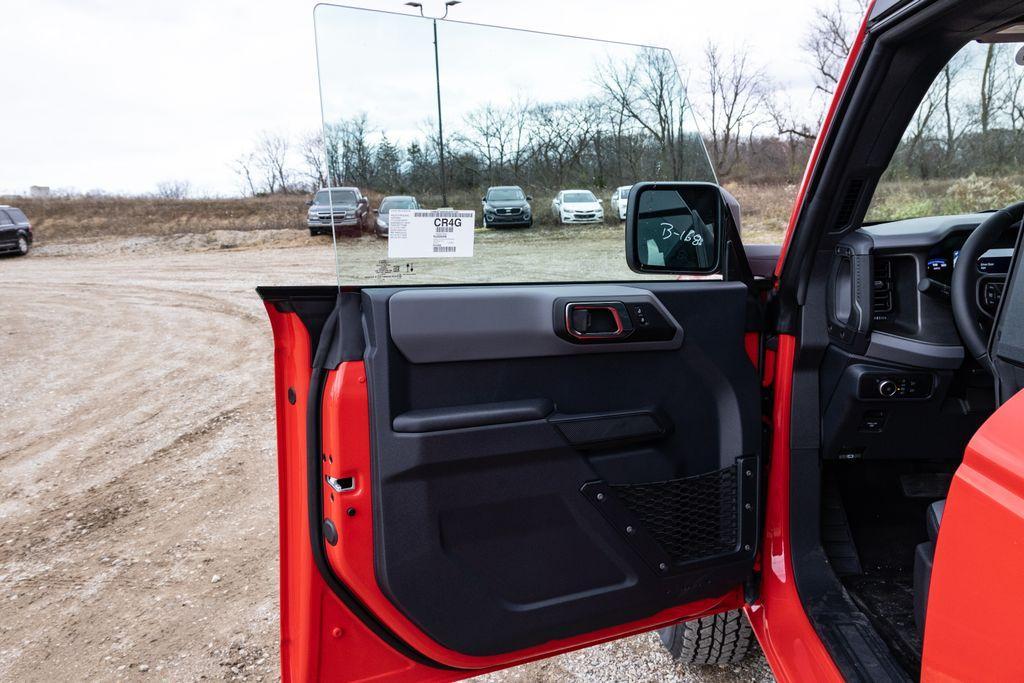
529, 197
309, 202
377, 211
678, 227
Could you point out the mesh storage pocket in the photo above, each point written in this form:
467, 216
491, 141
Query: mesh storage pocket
690, 518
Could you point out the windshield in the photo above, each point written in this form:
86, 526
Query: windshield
337, 197
961, 152
457, 135
578, 197
403, 203
507, 194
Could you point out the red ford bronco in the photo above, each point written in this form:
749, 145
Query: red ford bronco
820, 447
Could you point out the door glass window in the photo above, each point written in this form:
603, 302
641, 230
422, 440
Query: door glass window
471, 122
964, 149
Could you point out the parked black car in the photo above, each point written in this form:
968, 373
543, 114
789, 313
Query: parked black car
507, 206
384, 211
15, 231
350, 208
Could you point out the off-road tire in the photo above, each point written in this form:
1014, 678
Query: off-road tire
724, 638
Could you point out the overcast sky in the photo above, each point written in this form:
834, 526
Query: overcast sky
119, 95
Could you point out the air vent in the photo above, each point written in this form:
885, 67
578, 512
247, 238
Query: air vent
881, 287
848, 204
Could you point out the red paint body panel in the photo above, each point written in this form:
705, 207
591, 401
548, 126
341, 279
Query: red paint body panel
790, 643
310, 612
975, 602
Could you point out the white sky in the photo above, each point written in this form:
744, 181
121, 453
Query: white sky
119, 95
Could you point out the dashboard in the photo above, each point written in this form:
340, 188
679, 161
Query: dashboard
942, 258
896, 361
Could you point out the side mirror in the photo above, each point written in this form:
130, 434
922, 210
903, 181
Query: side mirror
309, 202
529, 197
483, 200
676, 228
364, 200
376, 211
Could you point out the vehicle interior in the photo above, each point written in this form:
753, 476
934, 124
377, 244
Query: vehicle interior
892, 377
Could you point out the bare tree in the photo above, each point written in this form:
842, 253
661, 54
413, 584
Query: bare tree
737, 94
314, 159
355, 150
649, 93
498, 135
245, 167
271, 157
830, 38
173, 189
797, 135
955, 115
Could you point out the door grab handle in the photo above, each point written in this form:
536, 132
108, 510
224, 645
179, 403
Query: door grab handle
581, 323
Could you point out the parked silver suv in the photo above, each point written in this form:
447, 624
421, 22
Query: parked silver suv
15, 231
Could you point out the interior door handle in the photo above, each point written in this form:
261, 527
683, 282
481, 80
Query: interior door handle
589, 320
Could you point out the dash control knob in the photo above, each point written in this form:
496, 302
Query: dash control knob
887, 388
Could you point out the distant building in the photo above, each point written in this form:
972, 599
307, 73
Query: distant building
39, 191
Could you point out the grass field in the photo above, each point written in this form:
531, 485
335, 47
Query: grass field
766, 210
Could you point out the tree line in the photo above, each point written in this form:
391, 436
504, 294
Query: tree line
636, 126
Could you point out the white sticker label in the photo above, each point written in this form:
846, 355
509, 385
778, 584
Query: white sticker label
416, 233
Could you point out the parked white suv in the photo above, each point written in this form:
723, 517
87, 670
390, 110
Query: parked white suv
618, 200
577, 206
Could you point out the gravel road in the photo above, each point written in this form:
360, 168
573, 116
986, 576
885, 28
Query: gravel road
138, 509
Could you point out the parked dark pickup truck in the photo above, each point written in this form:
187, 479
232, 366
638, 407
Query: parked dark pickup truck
348, 206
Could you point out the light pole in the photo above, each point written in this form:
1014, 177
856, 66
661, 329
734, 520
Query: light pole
437, 79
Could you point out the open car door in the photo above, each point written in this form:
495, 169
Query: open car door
973, 621
479, 475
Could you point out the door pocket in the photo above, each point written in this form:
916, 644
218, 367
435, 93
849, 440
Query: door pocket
681, 523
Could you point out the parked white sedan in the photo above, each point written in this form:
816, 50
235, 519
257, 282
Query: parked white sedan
577, 206
618, 200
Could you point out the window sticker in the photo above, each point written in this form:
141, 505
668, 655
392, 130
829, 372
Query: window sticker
416, 233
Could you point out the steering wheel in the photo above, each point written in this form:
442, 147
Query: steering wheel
964, 286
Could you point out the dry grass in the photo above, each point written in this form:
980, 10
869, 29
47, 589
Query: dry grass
72, 218
766, 209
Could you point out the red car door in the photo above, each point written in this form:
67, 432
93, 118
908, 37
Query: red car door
474, 476
463, 491
973, 623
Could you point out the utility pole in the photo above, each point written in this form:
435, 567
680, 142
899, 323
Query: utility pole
437, 80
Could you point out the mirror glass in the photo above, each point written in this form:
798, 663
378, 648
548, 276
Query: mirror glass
480, 128
676, 227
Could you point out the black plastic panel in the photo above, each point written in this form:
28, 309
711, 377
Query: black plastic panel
482, 535
875, 411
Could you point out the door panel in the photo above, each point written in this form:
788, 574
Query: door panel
494, 516
485, 502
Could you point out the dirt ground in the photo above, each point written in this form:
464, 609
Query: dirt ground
138, 502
